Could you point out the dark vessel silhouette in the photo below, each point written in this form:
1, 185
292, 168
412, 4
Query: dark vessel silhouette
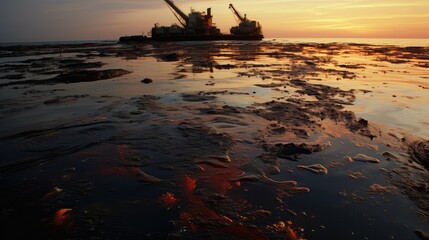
199, 26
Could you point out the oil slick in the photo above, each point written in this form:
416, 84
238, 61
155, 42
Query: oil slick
231, 140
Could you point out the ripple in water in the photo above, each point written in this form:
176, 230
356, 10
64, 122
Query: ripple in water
47, 144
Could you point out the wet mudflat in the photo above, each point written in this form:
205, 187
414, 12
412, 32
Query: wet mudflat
225, 140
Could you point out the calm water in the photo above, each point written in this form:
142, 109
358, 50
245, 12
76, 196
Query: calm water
377, 41
230, 140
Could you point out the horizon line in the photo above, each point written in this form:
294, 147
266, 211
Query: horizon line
109, 40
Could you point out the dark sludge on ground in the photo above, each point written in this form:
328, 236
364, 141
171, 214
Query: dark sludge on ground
236, 140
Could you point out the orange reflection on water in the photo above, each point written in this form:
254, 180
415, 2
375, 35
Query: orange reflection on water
52, 194
169, 199
189, 184
218, 178
290, 234
198, 206
62, 217
122, 171
199, 210
285, 230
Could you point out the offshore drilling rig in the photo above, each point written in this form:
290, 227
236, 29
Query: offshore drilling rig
199, 26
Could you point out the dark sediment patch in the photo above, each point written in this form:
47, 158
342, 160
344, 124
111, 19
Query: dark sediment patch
224, 66
419, 152
146, 102
270, 158
182, 145
146, 81
351, 66
9, 107
47, 144
331, 110
171, 57
224, 92
229, 120
75, 64
399, 55
277, 129
423, 65
17, 67
44, 92
13, 76
223, 110
39, 61
200, 135
297, 115
197, 97
322, 92
35, 50
390, 156
341, 73
64, 99
293, 47
50, 65
270, 85
413, 180
74, 77
290, 114
414, 185
89, 75
213, 163
423, 235
131, 157
292, 151
393, 60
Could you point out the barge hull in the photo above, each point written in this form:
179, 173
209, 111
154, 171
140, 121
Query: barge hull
178, 38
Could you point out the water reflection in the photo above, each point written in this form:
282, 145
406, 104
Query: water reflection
228, 148
210, 57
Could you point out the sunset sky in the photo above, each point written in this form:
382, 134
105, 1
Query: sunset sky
48, 20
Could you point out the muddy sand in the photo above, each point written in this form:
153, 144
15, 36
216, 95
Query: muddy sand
226, 140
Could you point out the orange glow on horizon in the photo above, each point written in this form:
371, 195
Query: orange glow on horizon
80, 20
328, 18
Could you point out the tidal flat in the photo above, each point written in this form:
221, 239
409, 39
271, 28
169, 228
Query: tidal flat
215, 140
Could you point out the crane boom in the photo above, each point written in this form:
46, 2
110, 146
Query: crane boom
181, 16
241, 18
